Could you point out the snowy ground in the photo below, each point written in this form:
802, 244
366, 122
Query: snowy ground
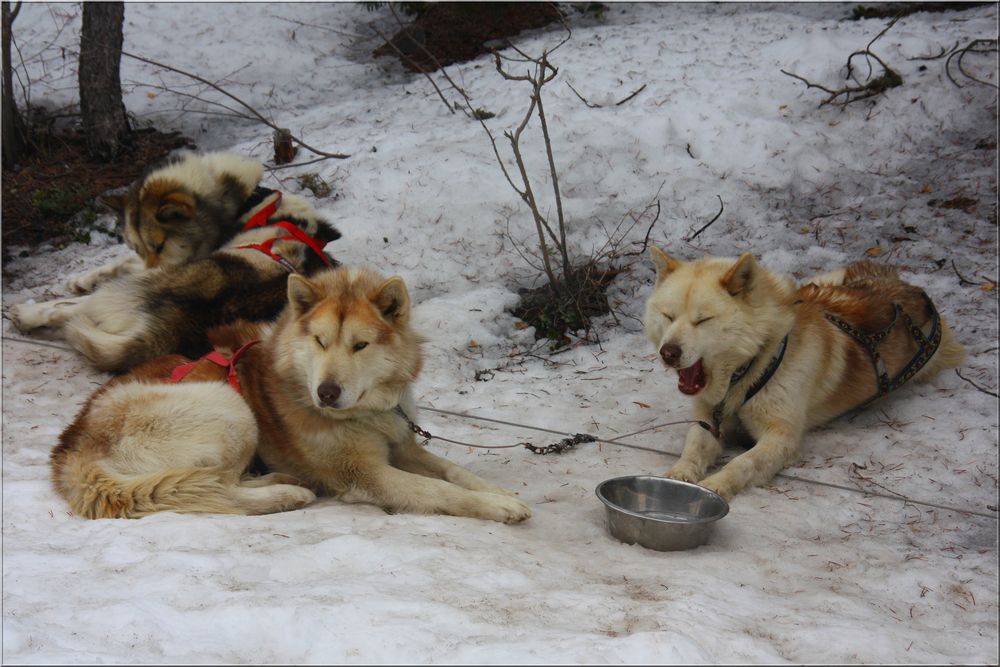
838, 572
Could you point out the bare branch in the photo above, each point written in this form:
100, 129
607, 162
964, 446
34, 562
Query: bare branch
722, 207
253, 112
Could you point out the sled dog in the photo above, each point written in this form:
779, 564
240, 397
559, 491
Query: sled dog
324, 395
137, 317
761, 357
181, 209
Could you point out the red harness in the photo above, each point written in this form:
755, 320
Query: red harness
180, 372
260, 219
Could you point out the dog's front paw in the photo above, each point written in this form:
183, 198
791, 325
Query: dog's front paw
25, 316
506, 509
722, 484
685, 471
83, 284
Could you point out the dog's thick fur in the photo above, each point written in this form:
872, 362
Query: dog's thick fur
179, 210
139, 316
710, 317
318, 403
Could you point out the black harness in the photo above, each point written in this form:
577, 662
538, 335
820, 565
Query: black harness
927, 345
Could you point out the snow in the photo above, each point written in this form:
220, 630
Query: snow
825, 565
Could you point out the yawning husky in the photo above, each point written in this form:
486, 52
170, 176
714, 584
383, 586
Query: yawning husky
752, 350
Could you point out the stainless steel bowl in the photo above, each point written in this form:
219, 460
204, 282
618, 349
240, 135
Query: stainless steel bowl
660, 513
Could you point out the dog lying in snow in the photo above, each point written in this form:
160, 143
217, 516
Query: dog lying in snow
752, 351
322, 396
174, 218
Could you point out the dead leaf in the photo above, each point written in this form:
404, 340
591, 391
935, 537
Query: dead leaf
641, 405
151, 95
924, 190
873, 252
989, 286
521, 325
473, 344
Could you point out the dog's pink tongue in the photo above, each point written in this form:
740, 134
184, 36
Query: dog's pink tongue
691, 380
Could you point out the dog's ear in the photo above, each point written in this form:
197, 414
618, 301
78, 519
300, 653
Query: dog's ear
116, 203
665, 264
302, 294
175, 207
393, 301
740, 278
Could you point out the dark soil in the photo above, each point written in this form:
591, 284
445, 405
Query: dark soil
450, 32
889, 10
579, 299
50, 196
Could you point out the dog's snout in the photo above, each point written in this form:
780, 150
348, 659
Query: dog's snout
671, 354
329, 393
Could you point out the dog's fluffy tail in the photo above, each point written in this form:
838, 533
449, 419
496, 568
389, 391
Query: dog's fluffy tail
950, 354
96, 492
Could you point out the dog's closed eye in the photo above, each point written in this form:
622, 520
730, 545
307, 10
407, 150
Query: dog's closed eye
319, 342
667, 317
360, 346
703, 320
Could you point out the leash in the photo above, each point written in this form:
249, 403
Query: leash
261, 219
554, 448
216, 357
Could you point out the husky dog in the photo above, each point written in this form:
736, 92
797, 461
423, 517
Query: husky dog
325, 404
137, 317
754, 351
181, 209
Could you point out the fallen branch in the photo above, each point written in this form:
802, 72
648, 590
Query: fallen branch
256, 115
600, 106
722, 207
961, 279
975, 46
982, 389
890, 78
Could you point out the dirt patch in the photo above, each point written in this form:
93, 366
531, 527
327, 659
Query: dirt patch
891, 10
581, 298
450, 32
50, 197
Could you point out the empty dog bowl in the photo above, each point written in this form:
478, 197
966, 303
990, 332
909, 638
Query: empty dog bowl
660, 513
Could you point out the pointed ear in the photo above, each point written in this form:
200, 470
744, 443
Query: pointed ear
393, 301
665, 264
114, 202
302, 294
175, 207
740, 279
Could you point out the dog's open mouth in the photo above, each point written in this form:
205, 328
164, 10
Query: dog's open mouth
691, 380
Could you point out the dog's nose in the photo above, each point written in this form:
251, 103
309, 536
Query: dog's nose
328, 393
671, 354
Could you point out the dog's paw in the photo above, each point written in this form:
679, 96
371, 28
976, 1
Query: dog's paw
722, 484
26, 316
83, 284
684, 471
506, 509
294, 497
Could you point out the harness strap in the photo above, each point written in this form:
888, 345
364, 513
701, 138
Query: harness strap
259, 194
757, 385
216, 357
926, 347
260, 218
296, 235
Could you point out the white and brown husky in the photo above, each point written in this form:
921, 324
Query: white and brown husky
754, 351
174, 221
325, 404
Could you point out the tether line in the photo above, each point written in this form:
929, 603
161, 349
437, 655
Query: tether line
898, 497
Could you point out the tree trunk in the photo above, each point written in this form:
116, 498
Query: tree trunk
105, 124
15, 143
